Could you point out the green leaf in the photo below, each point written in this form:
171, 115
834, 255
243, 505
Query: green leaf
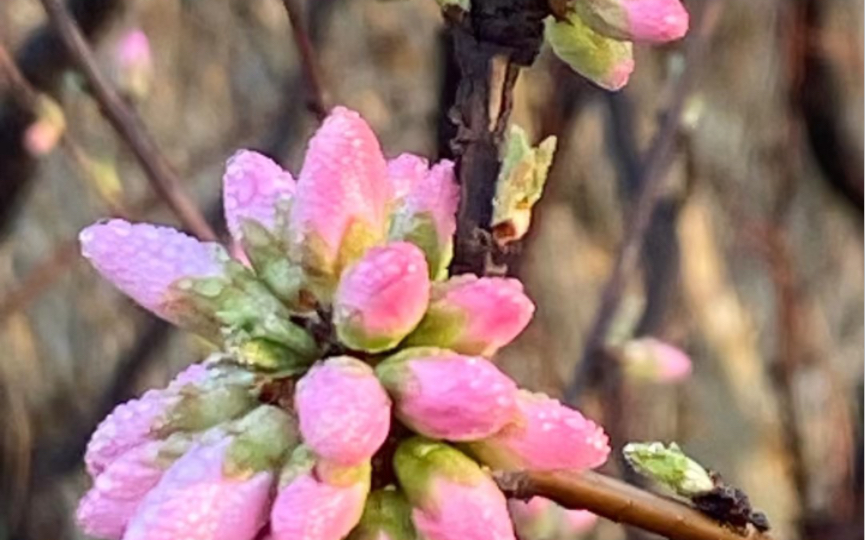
520, 183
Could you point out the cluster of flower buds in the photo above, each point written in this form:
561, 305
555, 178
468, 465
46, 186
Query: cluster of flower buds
595, 37
389, 409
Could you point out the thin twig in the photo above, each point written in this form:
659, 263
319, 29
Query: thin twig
316, 101
619, 502
651, 186
128, 125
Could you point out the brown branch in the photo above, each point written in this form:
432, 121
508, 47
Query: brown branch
128, 125
315, 101
651, 185
619, 502
491, 44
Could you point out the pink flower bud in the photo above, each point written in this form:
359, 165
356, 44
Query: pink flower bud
42, 136
382, 297
140, 420
578, 522
605, 61
426, 215
253, 187
472, 315
405, 172
386, 516
134, 63
541, 519
453, 498
444, 395
546, 435
654, 21
344, 412
106, 509
653, 360
342, 195
147, 261
197, 500
308, 509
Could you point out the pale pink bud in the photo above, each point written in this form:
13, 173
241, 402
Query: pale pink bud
472, 315
545, 435
309, 509
382, 297
253, 187
426, 216
654, 21
139, 420
145, 261
404, 172
42, 136
197, 500
654, 360
129, 425
340, 205
344, 412
106, 509
577, 522
444, 395
134, 63
453, 498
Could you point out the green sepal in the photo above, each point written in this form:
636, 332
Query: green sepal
302, 461
391, 372
261, 441
269, 257
204, 406
418, 461
386, 514
420, 229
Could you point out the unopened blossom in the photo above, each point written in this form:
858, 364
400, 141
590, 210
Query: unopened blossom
254, 188
542, 519
382, 297
545, 435
605, 61
341, 199
472, 315
311, 508
149, 262
453, 498
653, 21
653, 360
135, 422
197, 500
404, 172
444, 395
105, 511
426, 214
386, 516
48, 127
133, 63
344, 412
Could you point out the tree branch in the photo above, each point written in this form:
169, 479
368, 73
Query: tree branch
128, 125
619, 502
651, 186
316, 102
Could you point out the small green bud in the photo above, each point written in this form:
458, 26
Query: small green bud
669, 466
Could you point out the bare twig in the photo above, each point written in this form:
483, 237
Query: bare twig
316, 101
128, 125
20, 89
619, 502
651, 186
